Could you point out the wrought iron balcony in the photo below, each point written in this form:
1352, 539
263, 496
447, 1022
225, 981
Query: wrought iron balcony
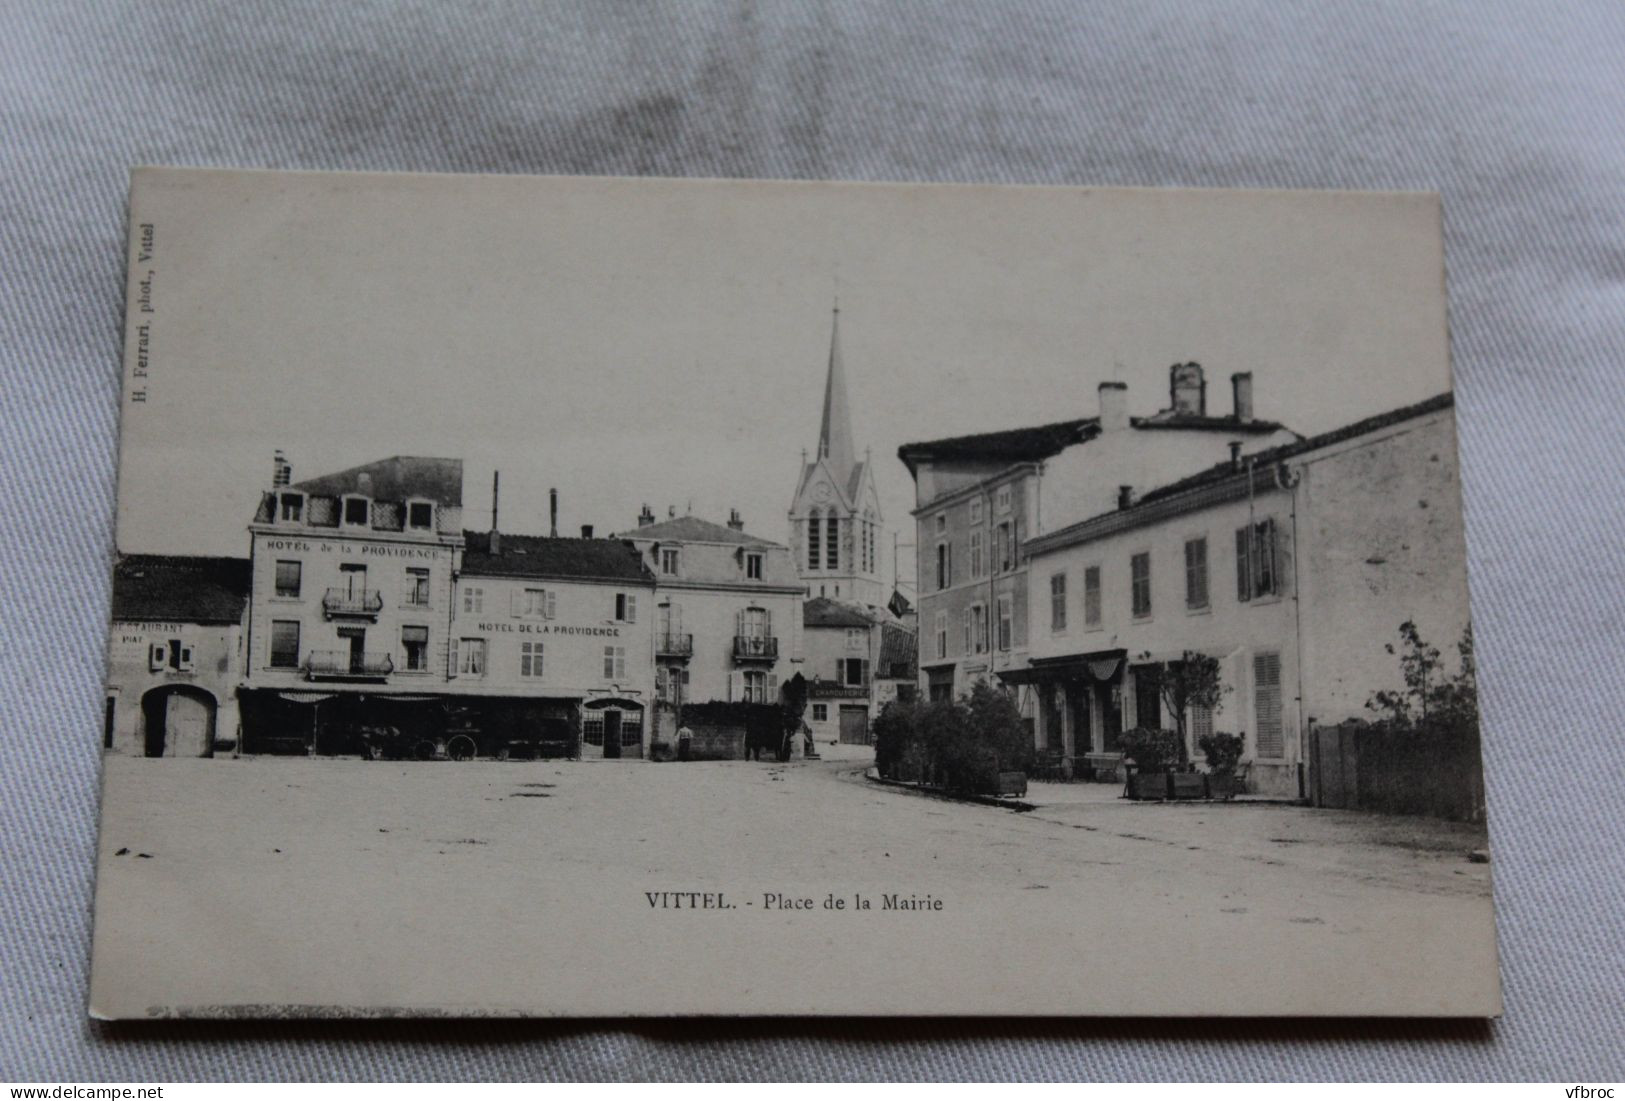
362, 603
755, 648
348, 665
674, 646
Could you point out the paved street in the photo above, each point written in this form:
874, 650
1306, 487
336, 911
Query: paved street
527, 885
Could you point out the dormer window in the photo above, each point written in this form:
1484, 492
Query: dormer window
669, 561
292, 507
357, 511
753, 566
420, 515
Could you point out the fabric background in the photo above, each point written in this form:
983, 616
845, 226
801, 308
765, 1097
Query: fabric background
1513, 111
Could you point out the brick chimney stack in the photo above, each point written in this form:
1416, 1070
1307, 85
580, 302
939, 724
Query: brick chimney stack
646, 517
1113, 406
1241, 385
281, 472
734, 520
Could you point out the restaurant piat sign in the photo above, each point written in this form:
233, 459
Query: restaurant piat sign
547, 629
365, 550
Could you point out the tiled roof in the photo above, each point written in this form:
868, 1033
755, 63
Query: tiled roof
823, 611
693, 529
544, 557
179, 588
1262, 459
395, 479
1015, 445
898, 653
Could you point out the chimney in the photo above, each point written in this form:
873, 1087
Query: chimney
1235, 454
281, 472
734, 520
1241, 384
646, 517
1113, 406
553, 512
1187, 390
496, 536
1125, 496
586, 531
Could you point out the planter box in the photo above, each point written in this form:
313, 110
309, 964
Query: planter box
1187, 785
1143, 785
1226, 786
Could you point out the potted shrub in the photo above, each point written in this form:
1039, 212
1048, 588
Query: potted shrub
1149, 756
1223, 756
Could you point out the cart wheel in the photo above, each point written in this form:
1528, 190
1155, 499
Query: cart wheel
502, 753
460, 748
424, 750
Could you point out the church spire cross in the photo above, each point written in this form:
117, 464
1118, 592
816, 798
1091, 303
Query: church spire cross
835, 435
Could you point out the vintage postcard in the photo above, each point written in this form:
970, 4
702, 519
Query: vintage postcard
600, 597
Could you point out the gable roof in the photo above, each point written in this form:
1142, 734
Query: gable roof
180, 588
695, 530
1045, 441
395, 479
554, 558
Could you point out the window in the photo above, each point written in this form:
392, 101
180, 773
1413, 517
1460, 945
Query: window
668, 561
174, 654
855, 639
853, 672
1001, 499
814, 546
976, 510
1005, 546
615, 663
820, 712
293, 506
1267, 704
945, 565
965, 619
530, 659
1140, 583
1057, 602
978, 628
753, 566
1006, 624
942, 523
978, 561
288, 575
1147, 697
1201, 725
535, 603
415, 642
755, 686
942, 634
832, 541
1258, 564
473, 599
417, 587
356, 511
1196, 573
626, 607
284, 644
1091, 596
420, 515
469, 657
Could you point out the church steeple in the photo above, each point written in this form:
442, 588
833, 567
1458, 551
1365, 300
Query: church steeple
835, 436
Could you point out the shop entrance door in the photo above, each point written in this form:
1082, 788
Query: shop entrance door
612, 733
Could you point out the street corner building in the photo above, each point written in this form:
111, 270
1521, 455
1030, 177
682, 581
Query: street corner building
980, 498
174, 654
378, 625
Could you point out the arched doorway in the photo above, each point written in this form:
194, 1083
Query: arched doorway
612, 727
179, 721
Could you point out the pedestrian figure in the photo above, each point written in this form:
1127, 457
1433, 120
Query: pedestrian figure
684, 737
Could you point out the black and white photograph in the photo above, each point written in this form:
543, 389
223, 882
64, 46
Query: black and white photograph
605, 597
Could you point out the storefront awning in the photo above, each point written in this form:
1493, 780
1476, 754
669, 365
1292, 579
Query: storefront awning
306, 697
1098, 665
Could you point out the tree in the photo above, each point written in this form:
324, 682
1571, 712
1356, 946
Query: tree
1192, 681
1431, 699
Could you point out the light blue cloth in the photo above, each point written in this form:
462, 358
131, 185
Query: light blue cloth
1513, 111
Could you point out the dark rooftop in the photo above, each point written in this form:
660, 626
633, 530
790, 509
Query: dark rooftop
395, 479
1016, 445
823, 611
546, 557
179, 588
693, 529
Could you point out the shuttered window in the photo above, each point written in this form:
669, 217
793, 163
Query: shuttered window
1196, 573
1267, 704
1091, 597
1140, 584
